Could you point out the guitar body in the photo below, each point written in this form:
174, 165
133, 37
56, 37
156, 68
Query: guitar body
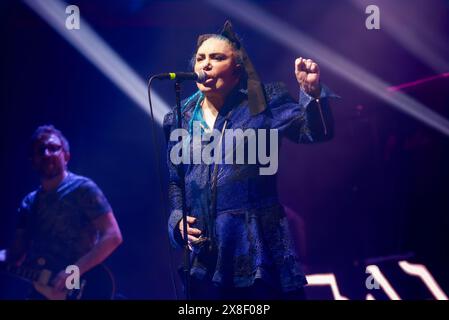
49, 293
96, 284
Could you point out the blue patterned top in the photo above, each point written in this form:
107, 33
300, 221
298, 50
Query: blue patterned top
251, 235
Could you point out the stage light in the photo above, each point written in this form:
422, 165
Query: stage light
100, 54
306, 46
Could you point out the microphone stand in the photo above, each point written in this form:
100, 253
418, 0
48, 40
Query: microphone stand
180, 168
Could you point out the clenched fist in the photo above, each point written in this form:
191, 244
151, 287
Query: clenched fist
308, 75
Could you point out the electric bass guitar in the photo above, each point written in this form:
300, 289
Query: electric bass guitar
96, 284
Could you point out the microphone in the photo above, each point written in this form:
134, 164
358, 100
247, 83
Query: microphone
199, 77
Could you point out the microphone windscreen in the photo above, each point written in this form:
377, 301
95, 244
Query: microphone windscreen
202, 77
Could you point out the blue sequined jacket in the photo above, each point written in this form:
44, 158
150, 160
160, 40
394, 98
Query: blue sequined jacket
250, 232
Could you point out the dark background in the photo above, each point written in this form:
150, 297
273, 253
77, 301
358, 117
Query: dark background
379, 188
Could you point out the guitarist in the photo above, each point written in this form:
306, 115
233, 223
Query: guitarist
67, 220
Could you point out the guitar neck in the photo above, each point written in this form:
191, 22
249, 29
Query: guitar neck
21, 272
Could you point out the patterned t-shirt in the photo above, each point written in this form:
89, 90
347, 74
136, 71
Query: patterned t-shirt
59, 222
